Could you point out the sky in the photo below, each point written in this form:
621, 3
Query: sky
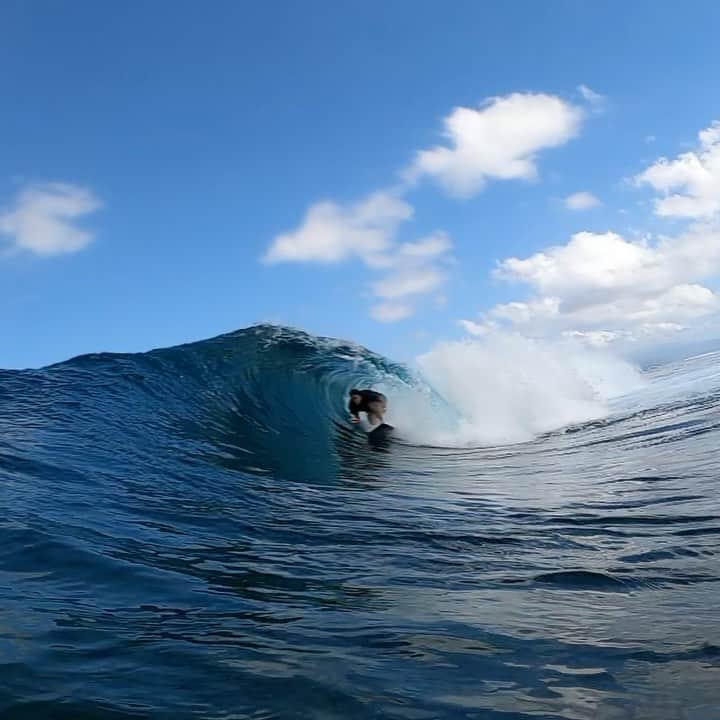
394, 173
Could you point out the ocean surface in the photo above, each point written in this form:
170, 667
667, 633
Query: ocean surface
198, 532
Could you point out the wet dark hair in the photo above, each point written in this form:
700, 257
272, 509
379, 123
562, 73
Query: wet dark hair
355, 391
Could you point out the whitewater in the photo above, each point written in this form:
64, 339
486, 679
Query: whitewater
198, 532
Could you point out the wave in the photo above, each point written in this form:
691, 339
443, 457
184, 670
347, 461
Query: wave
206, 510
267, 392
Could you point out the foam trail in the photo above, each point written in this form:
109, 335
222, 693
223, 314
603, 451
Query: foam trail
507, 389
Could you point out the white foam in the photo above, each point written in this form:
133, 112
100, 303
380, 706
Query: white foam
506, 389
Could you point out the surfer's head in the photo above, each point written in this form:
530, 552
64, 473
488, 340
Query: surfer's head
355, 396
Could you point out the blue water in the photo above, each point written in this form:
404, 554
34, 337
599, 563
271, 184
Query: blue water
197, 533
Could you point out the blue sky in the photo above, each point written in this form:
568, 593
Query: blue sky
154, 154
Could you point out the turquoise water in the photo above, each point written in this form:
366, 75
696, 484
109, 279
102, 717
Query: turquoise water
198, 533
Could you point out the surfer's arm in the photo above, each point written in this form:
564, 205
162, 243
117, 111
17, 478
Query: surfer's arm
354, 413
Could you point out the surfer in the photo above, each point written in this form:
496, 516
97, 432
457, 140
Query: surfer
367, 401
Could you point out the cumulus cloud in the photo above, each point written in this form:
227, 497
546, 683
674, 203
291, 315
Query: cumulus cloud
581, 201
590, 263
43, 219
331, 233
499, 140
603, 287
690, 183
598, 265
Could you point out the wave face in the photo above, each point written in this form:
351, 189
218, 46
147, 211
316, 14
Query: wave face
197, 532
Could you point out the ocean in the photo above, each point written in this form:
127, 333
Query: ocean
198, 532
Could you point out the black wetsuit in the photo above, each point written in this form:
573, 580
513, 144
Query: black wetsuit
368, 396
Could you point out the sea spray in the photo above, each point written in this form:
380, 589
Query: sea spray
507, 389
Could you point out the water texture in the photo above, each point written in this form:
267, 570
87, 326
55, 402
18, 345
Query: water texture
198, 533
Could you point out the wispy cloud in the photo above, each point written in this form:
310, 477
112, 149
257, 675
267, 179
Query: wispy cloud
416, 270
42, 220
428, 248
497, 141
390, 312
409, 281
581, 201
597, 102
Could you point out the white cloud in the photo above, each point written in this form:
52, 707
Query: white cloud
477, 329
389, 312
668, 310
597, 265
409, 281
679, 303
589, 263
696, 175
605, 288
331, 233
430, 247
416, 270
42, 219
597, 338
596, 101
645, 331
581, 201
500, 140
522, 313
